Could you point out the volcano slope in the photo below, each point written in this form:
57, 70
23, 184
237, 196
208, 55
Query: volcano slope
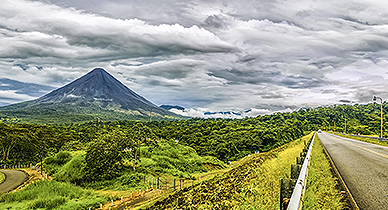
96, 94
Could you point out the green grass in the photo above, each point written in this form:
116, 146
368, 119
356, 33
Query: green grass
2, 177
52, 195
252, 183
263, 192
176, 160
168, 160
321, 191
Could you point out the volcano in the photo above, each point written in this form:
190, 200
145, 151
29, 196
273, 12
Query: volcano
96, 94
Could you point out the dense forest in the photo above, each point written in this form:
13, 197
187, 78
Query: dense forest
226, 139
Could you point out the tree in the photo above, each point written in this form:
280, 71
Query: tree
139, 135
104, 156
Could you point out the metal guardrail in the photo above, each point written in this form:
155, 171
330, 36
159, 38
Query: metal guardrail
292, 190
300, 185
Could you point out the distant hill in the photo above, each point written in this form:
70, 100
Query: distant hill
168, 107
96, 94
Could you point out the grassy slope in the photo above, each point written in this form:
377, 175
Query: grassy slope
169, 160
2, 177
253, 183
262, 192
321, 192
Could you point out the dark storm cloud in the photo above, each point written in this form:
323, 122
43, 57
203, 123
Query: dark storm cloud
235, 76
29, 89
171, 70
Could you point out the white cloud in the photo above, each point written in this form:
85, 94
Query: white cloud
80, 35
11, 96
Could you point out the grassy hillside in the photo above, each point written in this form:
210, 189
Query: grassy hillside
168, 160
253, 184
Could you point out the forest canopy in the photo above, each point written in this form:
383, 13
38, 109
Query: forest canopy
225, 139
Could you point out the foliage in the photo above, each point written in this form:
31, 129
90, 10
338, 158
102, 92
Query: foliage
225, 139
230, 139
104, 156
53, 163
73, 146
63, 113
73, 171
168, 159
175, 159
139, 135
51, 195
321, 191
24, 144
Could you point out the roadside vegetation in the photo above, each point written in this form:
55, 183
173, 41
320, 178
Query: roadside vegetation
253, 184
364, 139
167, 160
263, 191
321, 189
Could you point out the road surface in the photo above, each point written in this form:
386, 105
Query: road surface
364, 168
13, 178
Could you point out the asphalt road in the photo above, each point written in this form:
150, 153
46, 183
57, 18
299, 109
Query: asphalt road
13, 179
364, 168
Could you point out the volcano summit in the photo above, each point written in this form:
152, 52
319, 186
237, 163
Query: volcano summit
96, 94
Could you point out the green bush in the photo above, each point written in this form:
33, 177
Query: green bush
131, 179
73, 171
53, 163
175, 159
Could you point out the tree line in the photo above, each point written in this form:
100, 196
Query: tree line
226, 139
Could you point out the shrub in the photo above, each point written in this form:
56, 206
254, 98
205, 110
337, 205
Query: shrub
73, 171
53, 163
131, 179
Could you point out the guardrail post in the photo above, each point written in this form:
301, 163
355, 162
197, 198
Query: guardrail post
296, 196
299, 161
295, 170
303, 155
286, 189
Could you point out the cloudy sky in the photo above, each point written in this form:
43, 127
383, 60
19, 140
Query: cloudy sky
212, 55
